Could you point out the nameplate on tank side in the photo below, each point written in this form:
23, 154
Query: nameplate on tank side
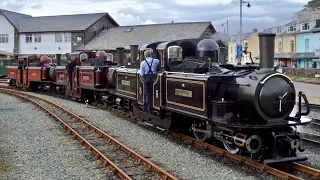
85, 78
34, 74
125, 82
184, 93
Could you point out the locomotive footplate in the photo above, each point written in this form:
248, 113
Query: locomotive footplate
236, 123
286, 159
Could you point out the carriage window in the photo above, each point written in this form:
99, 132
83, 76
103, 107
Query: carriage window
162, 57
174, 53
109, 57
83, 57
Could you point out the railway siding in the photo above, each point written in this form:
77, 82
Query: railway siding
34, 147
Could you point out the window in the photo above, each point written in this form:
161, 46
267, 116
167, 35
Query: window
292, 45
59, 37
37, 38
292, 28
305, 26
306, 43
4, 38
28, 38
279, 30
279, 46
67, 37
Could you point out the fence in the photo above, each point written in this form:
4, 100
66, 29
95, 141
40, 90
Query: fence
302, 72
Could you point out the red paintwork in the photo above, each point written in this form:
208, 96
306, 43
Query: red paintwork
86, 78
44, 73
25, 77
33, 75
12, 73
61, 76
98, 76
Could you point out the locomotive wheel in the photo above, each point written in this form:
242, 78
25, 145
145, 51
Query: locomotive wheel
232, 149
201, 130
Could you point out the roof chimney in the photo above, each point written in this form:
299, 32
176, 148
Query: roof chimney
254, 30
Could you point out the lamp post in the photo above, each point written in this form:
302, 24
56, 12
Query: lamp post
242, 2
224, 30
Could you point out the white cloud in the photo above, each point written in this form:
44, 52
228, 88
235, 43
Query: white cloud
148, 21
201, 2
261, 14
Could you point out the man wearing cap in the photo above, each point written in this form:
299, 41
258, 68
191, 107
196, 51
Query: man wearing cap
148, 71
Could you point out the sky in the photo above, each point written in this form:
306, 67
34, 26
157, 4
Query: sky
262, 13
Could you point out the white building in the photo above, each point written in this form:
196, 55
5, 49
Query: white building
9, 30
53, 35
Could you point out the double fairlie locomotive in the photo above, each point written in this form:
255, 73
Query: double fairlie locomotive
248, 108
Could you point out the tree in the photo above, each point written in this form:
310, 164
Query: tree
313, 5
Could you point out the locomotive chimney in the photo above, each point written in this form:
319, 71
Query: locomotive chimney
266, 42
133, 52
120, 55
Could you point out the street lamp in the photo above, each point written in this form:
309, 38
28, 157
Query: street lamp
224, 30
248, 5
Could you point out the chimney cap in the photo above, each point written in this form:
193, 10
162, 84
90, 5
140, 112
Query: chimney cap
120, 48
266, 34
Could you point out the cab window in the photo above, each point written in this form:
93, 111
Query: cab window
83, 57
174, 53
110, 57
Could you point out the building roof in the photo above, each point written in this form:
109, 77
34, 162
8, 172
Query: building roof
13, 17
124, 36
224, 38
291, 23
6, 53
76, 22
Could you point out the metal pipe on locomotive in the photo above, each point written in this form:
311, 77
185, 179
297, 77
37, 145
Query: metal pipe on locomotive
245, 107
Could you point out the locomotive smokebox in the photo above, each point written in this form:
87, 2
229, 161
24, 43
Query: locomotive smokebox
120, 52
133, 52
266, 42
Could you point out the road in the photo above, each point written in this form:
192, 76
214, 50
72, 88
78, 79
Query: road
311, 90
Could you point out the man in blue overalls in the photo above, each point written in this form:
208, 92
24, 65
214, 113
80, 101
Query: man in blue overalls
148, 71
69, 71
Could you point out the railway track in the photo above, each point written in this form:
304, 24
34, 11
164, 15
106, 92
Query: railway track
312, 135
295, 168
123, 161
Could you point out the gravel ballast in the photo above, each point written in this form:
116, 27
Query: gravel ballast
183, 160
34, 146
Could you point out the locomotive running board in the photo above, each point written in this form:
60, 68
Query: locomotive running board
286, 159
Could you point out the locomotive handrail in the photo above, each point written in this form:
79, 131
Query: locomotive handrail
182, 73
275, 74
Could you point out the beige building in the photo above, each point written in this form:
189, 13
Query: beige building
285, 43
232, 52
253, 47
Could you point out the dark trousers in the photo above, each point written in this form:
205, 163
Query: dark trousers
70, 80
148, 80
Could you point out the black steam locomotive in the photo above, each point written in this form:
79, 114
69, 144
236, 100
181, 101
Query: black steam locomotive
245, 107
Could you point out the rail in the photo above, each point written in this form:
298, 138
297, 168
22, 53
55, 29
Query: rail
94, 150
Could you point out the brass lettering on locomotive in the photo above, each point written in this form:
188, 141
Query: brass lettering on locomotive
85, 78
125, 83
34, 74
184, 93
